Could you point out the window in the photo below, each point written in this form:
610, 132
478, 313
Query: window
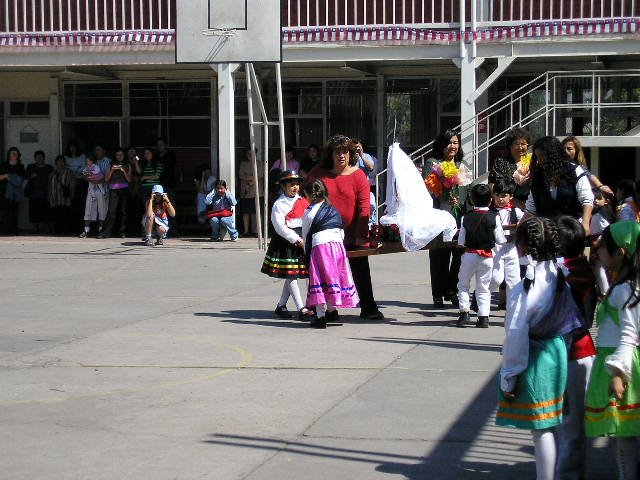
352, 109
92, 100
23, 109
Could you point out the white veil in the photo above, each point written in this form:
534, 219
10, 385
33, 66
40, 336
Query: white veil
410, 206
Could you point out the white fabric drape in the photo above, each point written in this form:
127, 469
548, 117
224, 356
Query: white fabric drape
410, 206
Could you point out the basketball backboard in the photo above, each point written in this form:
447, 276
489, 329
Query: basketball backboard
228, 31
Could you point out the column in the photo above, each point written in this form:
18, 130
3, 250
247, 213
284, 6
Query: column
226, 123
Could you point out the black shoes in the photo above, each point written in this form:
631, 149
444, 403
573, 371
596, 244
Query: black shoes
333, 316
453, 298
318, 322
463, 320
483, 322
282, 312
306, 314
373, 314
438, 302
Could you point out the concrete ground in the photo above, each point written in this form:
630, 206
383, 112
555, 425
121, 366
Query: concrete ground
121, 361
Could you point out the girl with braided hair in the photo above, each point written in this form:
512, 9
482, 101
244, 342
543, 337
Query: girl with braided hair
541, 315
613, 396
558, 187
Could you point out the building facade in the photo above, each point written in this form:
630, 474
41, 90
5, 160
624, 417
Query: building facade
104, 71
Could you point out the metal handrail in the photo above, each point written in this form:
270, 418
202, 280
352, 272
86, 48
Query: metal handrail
543, 83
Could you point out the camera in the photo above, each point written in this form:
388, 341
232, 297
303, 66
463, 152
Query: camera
359, 149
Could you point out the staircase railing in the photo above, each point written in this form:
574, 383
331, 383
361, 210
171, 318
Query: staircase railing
584, 100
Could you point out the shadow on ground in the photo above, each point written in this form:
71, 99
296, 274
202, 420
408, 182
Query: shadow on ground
472, 448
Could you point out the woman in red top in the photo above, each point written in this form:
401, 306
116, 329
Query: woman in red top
349, 193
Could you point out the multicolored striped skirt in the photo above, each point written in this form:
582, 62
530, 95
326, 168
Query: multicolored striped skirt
540, 389
330, 278
604, 413
284, 260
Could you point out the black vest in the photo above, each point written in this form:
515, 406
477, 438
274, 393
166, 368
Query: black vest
479, 229
566, 201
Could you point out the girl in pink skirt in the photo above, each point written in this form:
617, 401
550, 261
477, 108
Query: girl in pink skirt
330, 280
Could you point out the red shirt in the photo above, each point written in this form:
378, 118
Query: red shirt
350, 195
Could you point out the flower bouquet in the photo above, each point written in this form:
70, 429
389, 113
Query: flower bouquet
445, 178
523, 167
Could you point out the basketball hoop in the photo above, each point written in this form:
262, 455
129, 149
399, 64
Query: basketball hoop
219, 32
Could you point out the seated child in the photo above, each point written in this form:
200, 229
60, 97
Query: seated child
157, 214
97, 201
221, 202
480, 231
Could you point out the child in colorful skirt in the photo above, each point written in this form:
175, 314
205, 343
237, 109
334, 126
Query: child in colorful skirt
330, 280
541, 312
613, 395
285, 255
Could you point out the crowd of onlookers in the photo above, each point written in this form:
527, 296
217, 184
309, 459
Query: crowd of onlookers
84, 191
105, 194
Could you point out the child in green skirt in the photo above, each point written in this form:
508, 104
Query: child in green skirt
541, 315
613, 396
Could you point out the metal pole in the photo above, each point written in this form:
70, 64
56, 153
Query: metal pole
254, 156
265, 210
283, 155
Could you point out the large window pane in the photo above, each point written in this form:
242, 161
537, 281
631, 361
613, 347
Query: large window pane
88, 134
190, 133
145, 132
352, 109
297, 98
93, 100
170, 98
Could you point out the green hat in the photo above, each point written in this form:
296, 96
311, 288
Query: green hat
626, 234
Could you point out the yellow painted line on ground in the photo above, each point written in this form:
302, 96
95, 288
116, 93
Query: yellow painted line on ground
246, 358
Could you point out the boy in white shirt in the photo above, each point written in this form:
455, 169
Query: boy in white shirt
480, 231
506, 264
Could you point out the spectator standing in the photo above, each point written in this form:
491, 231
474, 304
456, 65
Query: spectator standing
135, 207
152, 170
97, 200
558, 187
248, 192
76, 162
205, 182
515, 165
292, 163
575, 154
62, 184
37, 190
102, 160
118, 178
12, 174
444, 263
311, 160
367, 163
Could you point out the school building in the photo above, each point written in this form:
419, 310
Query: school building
105, 71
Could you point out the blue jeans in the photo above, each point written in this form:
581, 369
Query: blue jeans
219, 227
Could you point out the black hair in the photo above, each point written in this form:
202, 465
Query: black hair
163, 139
14, 149
516, 134
60, 157
39, 152
627, 187
131, 147
442, 141
504, 185
606, 210
316, 192
99, 144
289, 148
553, 166
632, 275
338, 142
480, 195
74, 144
124, 154
220, 183
571, 235
539, 236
